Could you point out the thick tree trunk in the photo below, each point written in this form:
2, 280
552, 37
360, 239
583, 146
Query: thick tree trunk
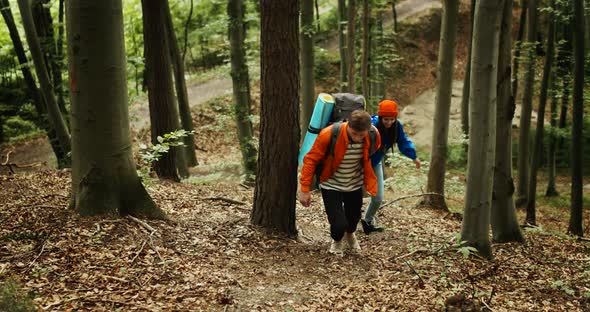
482, 131
576, 214
241, 85
184, 108
467, 79
365, 50
505, 227
538, 145
276, 178
342, 22
350, 35
307, 63
527, 105
163, 110
55, 118
104, 177
440, 130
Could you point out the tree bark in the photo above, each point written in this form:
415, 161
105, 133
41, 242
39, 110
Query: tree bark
440, 130
186, 26
517, 51
342, 22
576, 214
55, 118
505, 227
377, 85
538, 145
527, 105
551, 187
365, 50
184, 108
104, 177
350, 35
163, 110
241, 86
394, 12
482, 132
307, 64
467, 78
276, 178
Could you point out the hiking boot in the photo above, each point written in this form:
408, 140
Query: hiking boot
368, 228
337, 247
353, 244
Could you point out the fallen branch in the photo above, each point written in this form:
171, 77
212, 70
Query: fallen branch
415, 272
487, 306
227, 200
408, 196
145, 225
139, 251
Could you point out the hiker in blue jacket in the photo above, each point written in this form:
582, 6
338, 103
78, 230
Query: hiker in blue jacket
392, 132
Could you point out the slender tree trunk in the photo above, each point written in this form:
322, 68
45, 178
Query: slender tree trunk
440, 130
307, 64
394, 12
376, 64
342, 22
517, 51
241, 85
163, 109
186, 26
527, 105
350, 35
276, 178
365, 50
538, 145
576, 213
59, 59
317, 11
482, 132
184, 108
564, 61
104, 177
55, 117
551, 187
467, 79
505, 227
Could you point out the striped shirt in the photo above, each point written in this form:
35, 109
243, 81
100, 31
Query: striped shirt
349, 175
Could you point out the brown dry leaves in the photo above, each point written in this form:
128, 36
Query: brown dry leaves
212, 259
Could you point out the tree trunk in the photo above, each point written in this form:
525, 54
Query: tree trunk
440, 130
394, 12
377, 86
576, 213
482, 132
517, 51
163, 110
505, 227
538, 145
59, 59
317, 11
365, 50
350, 35
564, 65
241, 86
55, 118
527, 105
307, 63
551, 187
276, 178
467, 78
184, 108
342, 22
104, 177
186, 26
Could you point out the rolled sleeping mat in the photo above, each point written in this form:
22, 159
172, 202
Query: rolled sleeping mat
320, 118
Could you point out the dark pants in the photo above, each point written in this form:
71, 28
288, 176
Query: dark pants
343, 210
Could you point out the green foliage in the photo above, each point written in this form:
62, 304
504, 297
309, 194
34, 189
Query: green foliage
17, 128
151, 153
561, 285
325, 64
12, 298
462, 247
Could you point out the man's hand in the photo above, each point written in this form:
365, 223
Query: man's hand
417, 163
305, 198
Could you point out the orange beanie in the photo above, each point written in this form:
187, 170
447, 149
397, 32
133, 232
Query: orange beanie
387, 108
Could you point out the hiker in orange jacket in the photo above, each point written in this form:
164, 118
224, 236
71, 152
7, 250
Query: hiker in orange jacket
343, 173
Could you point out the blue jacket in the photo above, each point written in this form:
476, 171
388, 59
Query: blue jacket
403, 144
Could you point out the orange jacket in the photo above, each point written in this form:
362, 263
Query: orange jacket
320, 148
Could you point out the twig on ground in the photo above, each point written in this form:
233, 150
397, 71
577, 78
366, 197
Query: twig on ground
225, 199
145, 225
407, 196
114, 278
39, 255
415, 272
484, 303
151, 242
14, 165
139, 251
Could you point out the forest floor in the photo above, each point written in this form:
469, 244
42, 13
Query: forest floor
210, 258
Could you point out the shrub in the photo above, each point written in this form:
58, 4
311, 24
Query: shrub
12, 298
